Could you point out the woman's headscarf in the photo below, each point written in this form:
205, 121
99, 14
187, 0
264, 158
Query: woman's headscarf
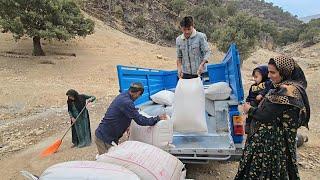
294, 93
79, 100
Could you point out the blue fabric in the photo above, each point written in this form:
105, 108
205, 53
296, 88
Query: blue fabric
118, 118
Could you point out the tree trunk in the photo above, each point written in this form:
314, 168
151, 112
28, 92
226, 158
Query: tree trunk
37, 49
110, 6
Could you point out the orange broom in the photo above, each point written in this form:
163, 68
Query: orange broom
55, 146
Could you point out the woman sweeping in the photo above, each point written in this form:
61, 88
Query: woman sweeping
270, 151
81, 132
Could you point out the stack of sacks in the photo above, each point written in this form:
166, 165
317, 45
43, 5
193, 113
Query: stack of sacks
147, 161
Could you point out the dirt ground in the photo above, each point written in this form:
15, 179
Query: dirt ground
33, 103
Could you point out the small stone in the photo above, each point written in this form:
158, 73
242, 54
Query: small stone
39, 132
159, 56
16, 149
254, 62
302, 154
304, 164
166, 58
314, 54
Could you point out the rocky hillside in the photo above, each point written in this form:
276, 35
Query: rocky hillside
269, 13
157, 21
149, 20
309, 18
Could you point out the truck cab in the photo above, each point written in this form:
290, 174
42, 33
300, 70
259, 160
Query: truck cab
225, 137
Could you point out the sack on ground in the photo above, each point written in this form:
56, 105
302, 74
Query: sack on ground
218, 91
164, 97
147, 161
189, 107
87, 170
159, 135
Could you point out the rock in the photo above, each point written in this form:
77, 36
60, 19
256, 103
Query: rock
32, 133
301, 140
314, 54
159, 56
254, 62
15, 149
302, 154
166, 58
305, 165
39, 132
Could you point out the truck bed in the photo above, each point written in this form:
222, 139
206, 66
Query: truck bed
221, 142
217, 144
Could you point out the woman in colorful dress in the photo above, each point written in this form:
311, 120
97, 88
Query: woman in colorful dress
270, 151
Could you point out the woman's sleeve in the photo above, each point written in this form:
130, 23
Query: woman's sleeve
268, 112
93, 98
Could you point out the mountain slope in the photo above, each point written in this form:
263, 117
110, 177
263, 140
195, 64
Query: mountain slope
309, 18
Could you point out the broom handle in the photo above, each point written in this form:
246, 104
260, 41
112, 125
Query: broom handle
75, 120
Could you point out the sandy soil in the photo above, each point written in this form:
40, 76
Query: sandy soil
33, 111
